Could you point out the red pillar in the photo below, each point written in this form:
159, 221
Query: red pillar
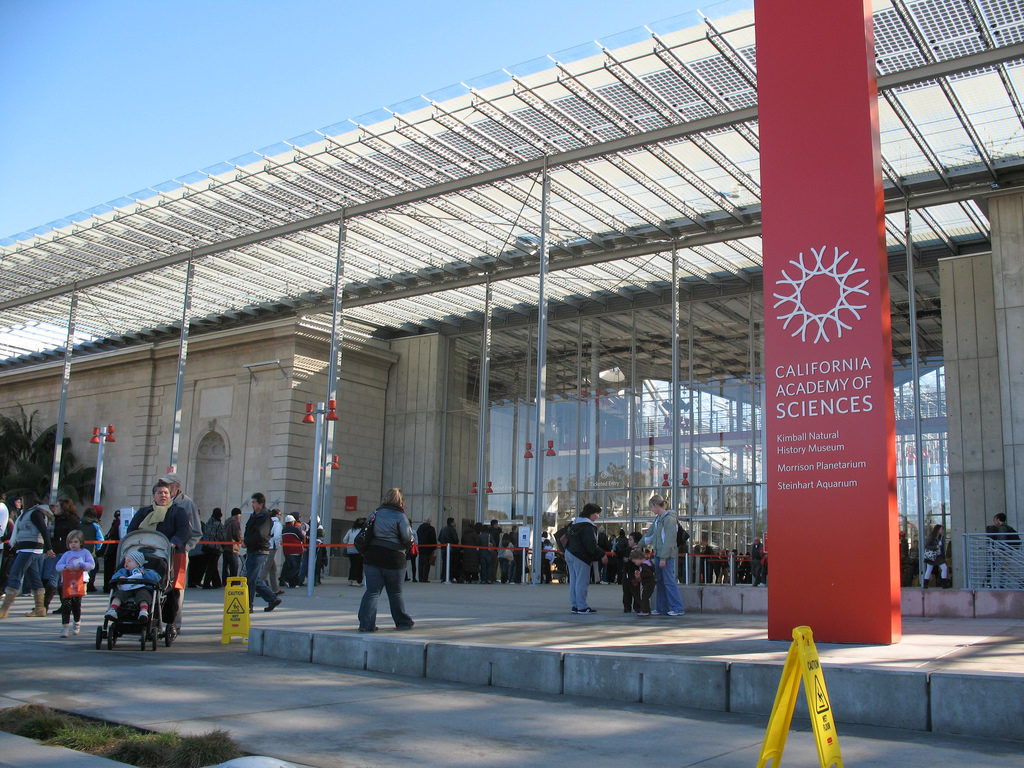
830, 461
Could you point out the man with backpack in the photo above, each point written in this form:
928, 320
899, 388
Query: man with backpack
257, 546
581, 550
682, 547
232, 565
214, 533
448, 536
661, 537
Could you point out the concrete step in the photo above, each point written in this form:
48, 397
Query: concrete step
943, 702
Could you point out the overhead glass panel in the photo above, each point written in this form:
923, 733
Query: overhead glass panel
613, 215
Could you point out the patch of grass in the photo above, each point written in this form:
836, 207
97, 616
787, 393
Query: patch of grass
206, 749
119, 742
33, 721
91, 737
148, 750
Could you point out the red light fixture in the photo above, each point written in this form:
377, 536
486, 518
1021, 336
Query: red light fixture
473, 489
529, 451
335, 464
665, 483
95, 435
332, 413
110, 434
551, 449
489, 489
686, 475
308, 418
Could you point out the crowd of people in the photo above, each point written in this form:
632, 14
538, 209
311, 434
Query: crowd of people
57, 550
276, 549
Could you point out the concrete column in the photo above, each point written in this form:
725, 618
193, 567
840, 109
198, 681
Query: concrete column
1007, 215
413, 423
973, 399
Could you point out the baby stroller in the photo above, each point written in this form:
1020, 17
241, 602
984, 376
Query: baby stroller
157, 549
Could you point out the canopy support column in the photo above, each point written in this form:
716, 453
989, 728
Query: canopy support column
186, 311
483, 422
58, 440
322, 513
677, 499
542, 371
915, 369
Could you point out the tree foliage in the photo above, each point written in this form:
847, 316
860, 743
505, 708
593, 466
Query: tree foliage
26, 458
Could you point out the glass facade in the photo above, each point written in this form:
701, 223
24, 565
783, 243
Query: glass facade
609, 423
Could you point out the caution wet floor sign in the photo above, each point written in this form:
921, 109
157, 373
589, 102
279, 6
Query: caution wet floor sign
236, 610
802, 664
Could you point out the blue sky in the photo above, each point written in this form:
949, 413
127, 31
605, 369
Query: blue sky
102, 98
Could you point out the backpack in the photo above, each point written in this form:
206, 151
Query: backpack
562, 537
681, 537
99, 537
214, 532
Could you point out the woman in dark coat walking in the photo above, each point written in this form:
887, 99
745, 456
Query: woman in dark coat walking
384, 563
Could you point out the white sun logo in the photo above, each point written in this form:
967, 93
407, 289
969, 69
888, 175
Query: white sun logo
811, 323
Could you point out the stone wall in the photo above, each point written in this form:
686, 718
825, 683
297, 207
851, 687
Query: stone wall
414, 422
241, 428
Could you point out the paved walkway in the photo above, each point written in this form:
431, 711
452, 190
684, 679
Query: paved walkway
325, 717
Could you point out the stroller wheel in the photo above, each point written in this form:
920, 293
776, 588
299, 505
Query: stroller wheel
169, 634
111, 640
152, 640
99, 637
142, 641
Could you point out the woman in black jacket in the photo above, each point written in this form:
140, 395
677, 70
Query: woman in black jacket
384, 563
172, 521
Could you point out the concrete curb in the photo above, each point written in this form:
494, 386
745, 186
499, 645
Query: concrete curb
939, 702
19, 752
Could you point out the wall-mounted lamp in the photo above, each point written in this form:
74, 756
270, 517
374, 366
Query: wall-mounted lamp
529, 451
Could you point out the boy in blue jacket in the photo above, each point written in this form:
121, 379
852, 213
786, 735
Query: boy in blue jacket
134, 570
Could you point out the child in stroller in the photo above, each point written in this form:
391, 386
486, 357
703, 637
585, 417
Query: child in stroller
136, 583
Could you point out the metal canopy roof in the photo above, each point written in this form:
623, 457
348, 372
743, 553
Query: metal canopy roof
651, 142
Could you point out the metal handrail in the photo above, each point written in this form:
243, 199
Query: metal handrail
992, 563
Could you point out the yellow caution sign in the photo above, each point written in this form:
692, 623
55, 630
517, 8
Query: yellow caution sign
802, 664
236, 610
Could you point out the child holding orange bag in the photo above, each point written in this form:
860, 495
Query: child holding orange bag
73, 567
